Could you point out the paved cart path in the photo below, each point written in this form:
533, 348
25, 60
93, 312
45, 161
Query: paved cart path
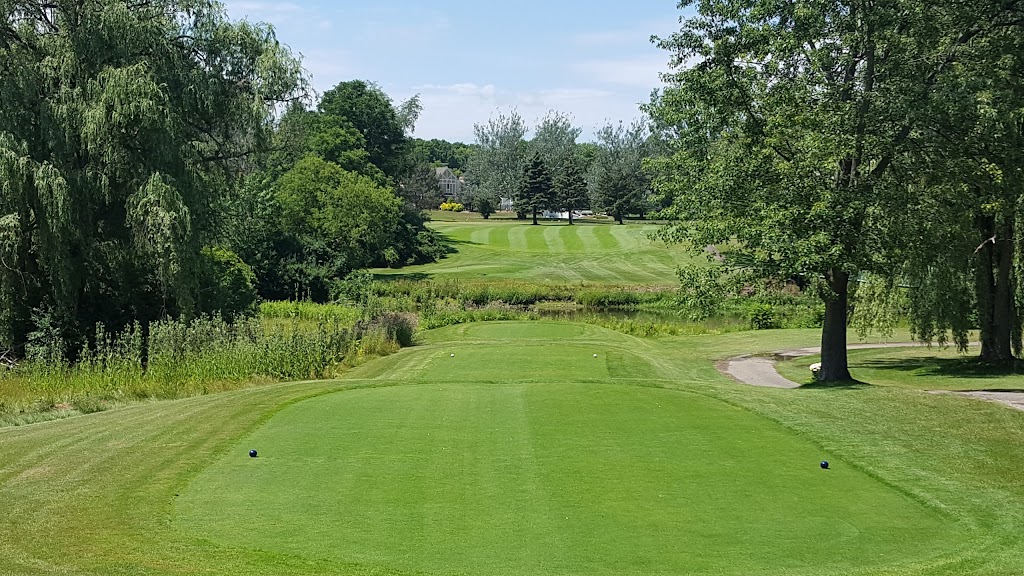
760, 371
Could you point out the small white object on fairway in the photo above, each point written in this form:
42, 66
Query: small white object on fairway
453, 355
595, 355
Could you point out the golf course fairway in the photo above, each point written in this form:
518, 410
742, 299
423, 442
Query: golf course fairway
554, 253
485, 463
509, 448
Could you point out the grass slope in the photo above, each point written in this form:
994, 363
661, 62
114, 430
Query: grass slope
554, 252
534, 459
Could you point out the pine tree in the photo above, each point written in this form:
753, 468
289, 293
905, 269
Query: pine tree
537, 191
571, 188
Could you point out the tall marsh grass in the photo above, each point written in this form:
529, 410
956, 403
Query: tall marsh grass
447, 312
482, 293
176, 359
310, 312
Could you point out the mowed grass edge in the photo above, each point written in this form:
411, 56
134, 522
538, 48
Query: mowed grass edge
119, 470
555, 252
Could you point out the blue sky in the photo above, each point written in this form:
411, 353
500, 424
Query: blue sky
468, 60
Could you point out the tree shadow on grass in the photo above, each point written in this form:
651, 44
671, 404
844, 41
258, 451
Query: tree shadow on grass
848, 385
948, 367
458, 241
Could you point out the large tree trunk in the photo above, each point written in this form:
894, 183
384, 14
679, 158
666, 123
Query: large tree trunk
534, 217
570, 216
995, 291
834, 366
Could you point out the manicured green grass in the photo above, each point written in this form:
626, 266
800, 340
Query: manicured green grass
524, 454
555, 252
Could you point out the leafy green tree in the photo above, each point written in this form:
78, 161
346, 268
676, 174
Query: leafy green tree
255, 234
555, 140
421, 188
784, 121
454, 155
291, 137
499, 157
536, 192
617, 192
586, 154
227, 286
617, 176
956, 245
123, 126
414, 242
336, 222
384, 127
337, 141
571, 189
302, 132
293, 263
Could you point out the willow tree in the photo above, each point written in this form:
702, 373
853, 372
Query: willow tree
121, 126
963, 244
787, 118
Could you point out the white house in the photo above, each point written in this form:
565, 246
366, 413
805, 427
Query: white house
450, 184
562, 215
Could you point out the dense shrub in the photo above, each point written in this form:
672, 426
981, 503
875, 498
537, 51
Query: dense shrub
396, 327
762, 317
452, 207
485, 205
227, 286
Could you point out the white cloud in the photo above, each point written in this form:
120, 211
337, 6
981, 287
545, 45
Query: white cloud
450, 111
639, 72
328, 67
262, 11
465, 89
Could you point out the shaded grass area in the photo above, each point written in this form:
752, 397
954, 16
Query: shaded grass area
932, 368
96, 494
